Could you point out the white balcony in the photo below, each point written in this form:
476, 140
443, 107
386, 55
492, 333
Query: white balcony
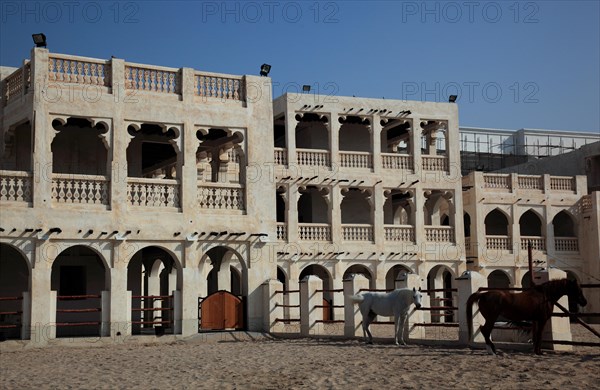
357, 232
80, 189
314, 231
399, 233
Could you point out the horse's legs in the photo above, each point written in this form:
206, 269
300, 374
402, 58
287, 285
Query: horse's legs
486, 331
367, 319
400, 328
537, 330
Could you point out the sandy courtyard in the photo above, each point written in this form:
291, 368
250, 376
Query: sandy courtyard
293, 364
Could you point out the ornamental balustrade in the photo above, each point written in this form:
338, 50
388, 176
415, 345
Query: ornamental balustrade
82, 189
221, 196
439, 233
78, 70
313, 157
17, 84
152, 79
498, 243
435, 163
16, 186
280, 156
562, 183
357, 232
530, 182
566, 244
282, 233
396, 161
356, 160
163, 193
401, 233
219, 86
586, 203
537, 243
314, 231
496, 181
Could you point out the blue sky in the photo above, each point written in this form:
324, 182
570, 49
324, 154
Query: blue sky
513, 64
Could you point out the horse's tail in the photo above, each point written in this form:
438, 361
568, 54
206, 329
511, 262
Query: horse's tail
356, 298
472, 299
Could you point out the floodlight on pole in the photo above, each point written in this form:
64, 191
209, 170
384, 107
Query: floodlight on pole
39, 40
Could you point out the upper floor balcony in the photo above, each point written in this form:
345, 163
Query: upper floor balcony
524, 184
108, 76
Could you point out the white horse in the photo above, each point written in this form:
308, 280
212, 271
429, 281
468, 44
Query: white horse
396, 303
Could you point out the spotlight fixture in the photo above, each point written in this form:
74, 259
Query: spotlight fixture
39, 40
305, 88
265, 69
452, 98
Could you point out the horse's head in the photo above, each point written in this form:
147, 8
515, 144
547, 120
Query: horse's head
417, 297
575, 293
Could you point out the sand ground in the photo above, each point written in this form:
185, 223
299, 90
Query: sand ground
275, 363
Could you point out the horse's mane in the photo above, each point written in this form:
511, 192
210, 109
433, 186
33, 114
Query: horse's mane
552, 286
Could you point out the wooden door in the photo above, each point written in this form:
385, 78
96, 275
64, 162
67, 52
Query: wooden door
222, 310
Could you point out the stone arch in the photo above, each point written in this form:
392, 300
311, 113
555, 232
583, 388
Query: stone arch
17, 147
355, 134
153, 151
15, 280
312, 131
154, 273
564, 224
441, 277
220, 268
496, 223
282, 277
79, 275
437, 205
398, 208
312, 206
498, 279
220, 155
78, 147
394, 274
355, 207
396, 135
362, 270
530, 224
325, 275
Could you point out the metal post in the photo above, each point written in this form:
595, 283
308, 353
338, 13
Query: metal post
530, 260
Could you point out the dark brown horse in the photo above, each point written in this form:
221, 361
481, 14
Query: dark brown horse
535, 304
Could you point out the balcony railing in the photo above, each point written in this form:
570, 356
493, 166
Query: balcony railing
313, 157
530, 182
537, 243
80, 189
496, 181
586, 203
401, 233
78, 70
357, 232
314, 231
162, 193
566, 244
16, 186
562, 183
356, 160
435, 163
221, 196
214, 85
17, 84
282, 231
396, 161
280, 156
498, 242
152, 78
439, 233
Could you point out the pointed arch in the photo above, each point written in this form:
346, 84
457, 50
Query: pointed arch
496, 223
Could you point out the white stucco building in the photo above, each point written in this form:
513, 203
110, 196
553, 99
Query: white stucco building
130, 193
